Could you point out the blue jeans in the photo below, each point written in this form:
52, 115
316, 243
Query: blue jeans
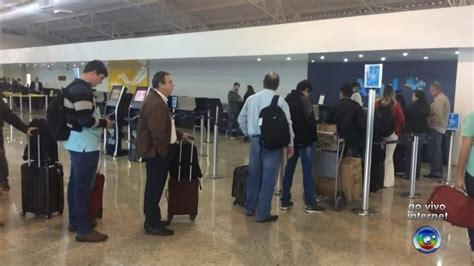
436, 158
83, 173
469, 181
306, 154
263, 172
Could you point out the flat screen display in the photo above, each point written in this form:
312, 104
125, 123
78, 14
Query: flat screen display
115, 94
139, 96
373, 76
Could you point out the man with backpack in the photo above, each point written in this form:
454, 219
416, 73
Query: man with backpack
350, 120
83, 144
304, 126
266, 119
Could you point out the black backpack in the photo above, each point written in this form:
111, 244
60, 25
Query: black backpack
56, 121
275, 131
384, 122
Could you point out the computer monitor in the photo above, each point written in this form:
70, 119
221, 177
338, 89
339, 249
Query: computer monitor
140, 95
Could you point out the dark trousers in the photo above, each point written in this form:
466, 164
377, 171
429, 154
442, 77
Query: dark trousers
3, 161
156, 174
83, 173
469, 181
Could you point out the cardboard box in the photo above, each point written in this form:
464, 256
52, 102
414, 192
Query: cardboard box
351, 177
327, 139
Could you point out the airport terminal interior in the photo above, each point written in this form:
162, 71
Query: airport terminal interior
213, 51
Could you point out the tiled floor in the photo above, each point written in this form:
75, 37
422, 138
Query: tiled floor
221, 234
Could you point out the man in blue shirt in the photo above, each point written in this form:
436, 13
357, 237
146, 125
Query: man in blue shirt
264, 164
83, 145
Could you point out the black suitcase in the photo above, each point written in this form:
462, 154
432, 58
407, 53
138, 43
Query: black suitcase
42, 186
239, 184
183, 189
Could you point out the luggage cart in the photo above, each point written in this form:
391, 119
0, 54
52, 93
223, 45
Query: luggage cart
326, 163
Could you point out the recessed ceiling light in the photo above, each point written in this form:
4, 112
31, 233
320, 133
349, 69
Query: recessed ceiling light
457, 52
383, 58
259, 59
73, 65
346, 60
288, 58
312, 61
426, 57
322, 57
82, 63
361, 55
405, 54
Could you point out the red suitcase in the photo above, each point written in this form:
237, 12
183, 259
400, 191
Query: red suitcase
183, 193
459, 207
97, 194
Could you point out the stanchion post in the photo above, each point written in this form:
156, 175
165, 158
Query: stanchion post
11, 102
449, 179
21, 103
208, 140
215, 148
201, 142
414, 159
29, 103
46, 101
278, 189
365, 211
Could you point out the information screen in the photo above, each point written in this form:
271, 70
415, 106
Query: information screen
115, 94
373, 76
454, 121
139, 96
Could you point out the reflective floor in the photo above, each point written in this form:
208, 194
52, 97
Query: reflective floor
221, 233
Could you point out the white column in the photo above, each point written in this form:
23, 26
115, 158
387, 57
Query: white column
464, 92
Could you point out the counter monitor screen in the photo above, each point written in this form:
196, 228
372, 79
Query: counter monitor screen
139, 96
115, 94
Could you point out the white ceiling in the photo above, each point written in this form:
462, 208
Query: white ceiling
70, 21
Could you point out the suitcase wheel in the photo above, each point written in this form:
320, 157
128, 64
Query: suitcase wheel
192, 217
341, 203
22, 214
100, 214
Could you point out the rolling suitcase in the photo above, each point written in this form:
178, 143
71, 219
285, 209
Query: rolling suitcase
457, 205
183, 193
239, 184
97, 195
42, 185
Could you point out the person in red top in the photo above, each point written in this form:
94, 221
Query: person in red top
388, 99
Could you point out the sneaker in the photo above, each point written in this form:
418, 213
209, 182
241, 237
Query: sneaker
5, 186
2, 224
285, 206
272, 218
314, 209
93, 236
433, 176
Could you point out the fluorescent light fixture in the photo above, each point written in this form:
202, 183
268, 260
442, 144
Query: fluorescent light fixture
361, 55
322, 57
346, 60
457, 52
405, 54
383, 58
259, 59
312, 61
288, 58
426, 58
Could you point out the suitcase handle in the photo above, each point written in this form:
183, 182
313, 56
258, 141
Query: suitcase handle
29, 150
190, 160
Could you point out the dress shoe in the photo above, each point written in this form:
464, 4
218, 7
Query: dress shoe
72, 228
272, 218
2, 224
159, 231
93, 236
160, 224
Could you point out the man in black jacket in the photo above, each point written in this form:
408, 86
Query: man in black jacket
350, 119
7, 115
304, 127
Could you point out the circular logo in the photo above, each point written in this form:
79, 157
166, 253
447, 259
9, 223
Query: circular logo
427, 239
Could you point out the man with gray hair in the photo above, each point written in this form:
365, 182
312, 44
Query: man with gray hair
438, 122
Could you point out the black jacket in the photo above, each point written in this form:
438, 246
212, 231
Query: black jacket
416, 117
350, 119
302, 117
7, 115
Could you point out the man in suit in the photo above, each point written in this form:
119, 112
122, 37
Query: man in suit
156, 133
36, 86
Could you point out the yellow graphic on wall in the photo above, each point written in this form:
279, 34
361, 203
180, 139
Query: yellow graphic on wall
129, 73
